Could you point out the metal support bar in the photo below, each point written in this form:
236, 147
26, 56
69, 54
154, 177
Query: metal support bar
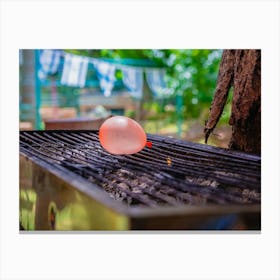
38, 121
179, 106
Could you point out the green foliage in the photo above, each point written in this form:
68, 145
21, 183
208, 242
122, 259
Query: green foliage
227, 110
192, 74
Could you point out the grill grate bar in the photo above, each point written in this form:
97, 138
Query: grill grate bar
191, 156
145, 178
214, 151
194, 169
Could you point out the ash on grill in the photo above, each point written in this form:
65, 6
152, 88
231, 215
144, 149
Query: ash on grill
173, 172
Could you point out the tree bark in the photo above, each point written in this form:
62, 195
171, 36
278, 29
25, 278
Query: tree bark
242, 70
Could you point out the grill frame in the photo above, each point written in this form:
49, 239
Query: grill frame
38, 175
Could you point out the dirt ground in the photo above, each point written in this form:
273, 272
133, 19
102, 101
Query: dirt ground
194, 133
219, 138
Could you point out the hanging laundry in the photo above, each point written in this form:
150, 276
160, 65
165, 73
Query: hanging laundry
74, 70
155, 80
49, 62
106, 76
133, 80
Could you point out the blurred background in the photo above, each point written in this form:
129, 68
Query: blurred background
169, 92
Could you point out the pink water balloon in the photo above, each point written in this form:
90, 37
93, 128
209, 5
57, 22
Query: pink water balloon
122, 136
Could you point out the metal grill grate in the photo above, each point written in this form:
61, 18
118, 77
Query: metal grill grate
172, 172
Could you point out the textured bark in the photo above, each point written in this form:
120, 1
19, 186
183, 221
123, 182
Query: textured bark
242, 70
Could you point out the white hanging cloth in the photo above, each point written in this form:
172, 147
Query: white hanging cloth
106, 76
133, 80
74, 70
155, 80
49, 62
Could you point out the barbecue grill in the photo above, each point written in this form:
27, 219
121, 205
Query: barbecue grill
69, 182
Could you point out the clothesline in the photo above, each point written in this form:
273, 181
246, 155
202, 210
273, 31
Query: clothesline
118, 65
75, 69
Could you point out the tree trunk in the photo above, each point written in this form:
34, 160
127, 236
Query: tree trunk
242, 70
